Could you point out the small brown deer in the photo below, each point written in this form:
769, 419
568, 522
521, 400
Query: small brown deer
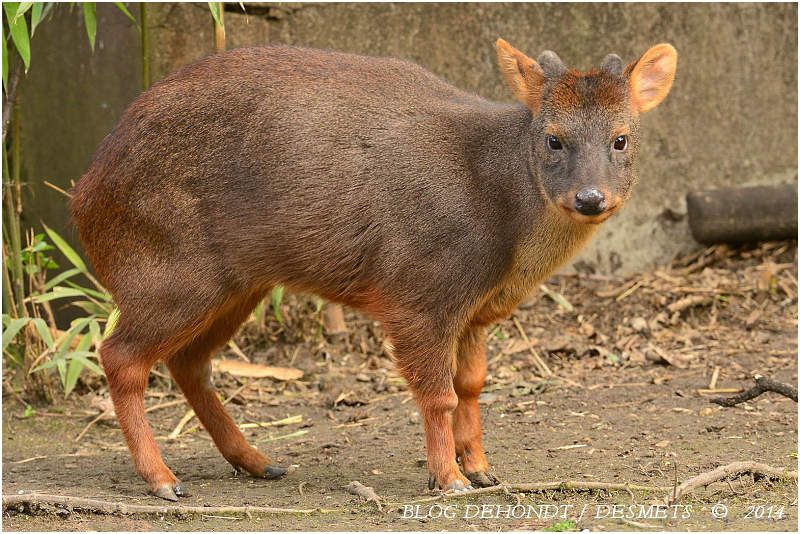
369, 182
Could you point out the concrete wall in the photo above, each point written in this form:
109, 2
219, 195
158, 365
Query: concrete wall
730, 119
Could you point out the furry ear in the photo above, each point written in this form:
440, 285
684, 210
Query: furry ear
650, 77
612, 64
551, 64
522, 74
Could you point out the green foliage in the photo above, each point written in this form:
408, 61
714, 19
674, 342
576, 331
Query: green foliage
5, 56
34, 258
125, 11
18, 26
215, 7
562, 526
71, 352
36, 15
277, 298
90, 21
17, 22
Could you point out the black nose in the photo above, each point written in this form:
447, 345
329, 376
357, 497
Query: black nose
589, 201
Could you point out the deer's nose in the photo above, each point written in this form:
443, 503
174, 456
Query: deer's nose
589, 201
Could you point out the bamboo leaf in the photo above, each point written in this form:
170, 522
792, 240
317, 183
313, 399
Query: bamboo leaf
77, 327
94, 330
90, 21
61, 365
214, 8
12, 329
85, 342
73, 257
73, 372
92, 308
5, 56
58, 292
69, 273
44, 332
277, 298
124, 9
22, 8
113, 317
19, 33
83, 357
89, 292
36, 16
49, 364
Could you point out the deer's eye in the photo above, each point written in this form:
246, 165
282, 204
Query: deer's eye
554, 142
621, 143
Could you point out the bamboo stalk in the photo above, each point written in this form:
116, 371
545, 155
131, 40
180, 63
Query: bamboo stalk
219, 29
14, 210
145, 45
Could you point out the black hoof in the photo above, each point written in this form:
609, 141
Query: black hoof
482, 479
272, 472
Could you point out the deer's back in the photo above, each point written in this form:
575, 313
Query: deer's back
325, 171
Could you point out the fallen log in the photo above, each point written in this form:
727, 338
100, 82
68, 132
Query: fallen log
743, 214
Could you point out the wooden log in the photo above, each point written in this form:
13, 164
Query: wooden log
743, 214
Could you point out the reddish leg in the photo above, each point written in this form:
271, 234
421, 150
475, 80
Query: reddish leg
468, 382
191, 369
127, 368
428, 370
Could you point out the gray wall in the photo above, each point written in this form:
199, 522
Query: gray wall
730, 119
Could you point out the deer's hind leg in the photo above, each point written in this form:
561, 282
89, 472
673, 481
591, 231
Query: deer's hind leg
191, 369
127, 364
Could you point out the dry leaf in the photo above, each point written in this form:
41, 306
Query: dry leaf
255, 370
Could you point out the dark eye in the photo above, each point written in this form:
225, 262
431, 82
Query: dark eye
621, 143
554, 142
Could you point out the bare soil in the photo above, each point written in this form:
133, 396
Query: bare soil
630, 360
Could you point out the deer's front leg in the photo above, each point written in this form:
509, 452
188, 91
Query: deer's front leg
468, 382
428, 369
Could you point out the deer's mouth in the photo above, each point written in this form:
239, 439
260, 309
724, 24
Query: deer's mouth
581, 218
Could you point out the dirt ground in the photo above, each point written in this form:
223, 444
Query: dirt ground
630, 357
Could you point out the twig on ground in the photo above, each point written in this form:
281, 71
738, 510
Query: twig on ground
726, 471
365, 492
556, 297
237, 351
712, 384
763, 384
108, 413
188, 416
107, 507
537, 359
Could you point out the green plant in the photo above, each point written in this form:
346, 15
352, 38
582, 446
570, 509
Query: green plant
74, 350
562, 526
31, 340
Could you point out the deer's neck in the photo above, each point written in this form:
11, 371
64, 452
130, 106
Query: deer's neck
541, 238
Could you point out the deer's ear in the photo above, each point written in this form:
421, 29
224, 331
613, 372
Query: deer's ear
522, 74
650, 77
